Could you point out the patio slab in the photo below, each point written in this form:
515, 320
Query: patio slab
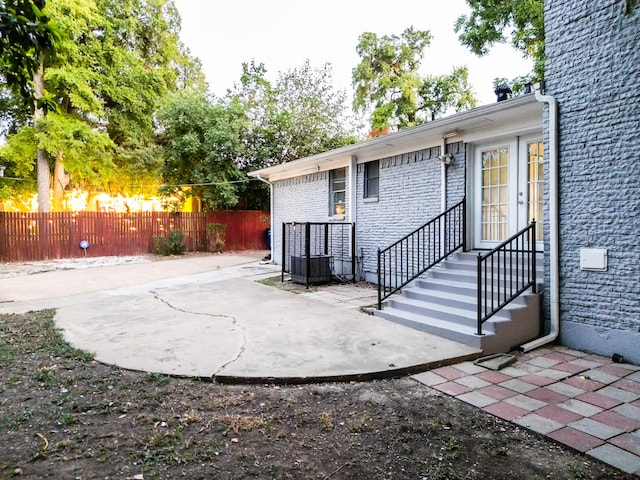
211, 318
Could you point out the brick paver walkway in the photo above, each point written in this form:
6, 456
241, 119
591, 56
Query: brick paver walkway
583, 401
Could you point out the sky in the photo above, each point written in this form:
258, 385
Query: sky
283, 34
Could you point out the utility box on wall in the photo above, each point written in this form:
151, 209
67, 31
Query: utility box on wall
593, 259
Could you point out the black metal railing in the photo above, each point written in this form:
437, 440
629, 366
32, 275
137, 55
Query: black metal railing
425, 247
318, 252
505, 272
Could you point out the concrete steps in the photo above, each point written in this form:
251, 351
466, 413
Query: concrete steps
444, 302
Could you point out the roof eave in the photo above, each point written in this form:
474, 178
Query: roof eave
434, 128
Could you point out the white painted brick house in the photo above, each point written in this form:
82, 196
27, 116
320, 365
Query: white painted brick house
566, 157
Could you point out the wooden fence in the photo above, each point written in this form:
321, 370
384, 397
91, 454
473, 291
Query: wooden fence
41, 236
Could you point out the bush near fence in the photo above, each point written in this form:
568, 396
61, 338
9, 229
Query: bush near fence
43, 236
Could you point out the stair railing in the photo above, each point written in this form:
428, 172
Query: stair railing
420, 250
505, 272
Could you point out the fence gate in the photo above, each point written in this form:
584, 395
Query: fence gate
319, 252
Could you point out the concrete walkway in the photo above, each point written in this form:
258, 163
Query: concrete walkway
207, 316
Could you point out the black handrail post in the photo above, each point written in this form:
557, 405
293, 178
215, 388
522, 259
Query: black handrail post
464, 225
326, 239
353, 251
284, 250
479, 268
379, 283
307, 248
532, 248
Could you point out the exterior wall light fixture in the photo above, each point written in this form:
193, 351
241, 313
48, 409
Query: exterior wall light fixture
447, 158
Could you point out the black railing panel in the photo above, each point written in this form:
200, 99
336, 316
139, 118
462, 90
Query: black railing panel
317, 252
506, 272
420, 250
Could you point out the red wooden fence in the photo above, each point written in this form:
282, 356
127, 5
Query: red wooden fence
41, 236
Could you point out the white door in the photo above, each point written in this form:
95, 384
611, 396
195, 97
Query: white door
508, 189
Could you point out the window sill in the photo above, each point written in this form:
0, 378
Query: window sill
336, 218
371, 200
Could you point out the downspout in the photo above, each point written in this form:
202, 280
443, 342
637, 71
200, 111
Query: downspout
353, 214
353, 196
271, 205
554, 288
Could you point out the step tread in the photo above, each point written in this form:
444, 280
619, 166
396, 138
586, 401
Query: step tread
465, 313
435, 296
436, 322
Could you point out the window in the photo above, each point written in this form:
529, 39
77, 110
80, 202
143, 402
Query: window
371, 177
337, 191
495, 189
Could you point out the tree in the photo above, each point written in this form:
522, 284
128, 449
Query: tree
519, 21
387, 80
298, 115
115, 63
26, 36
201, 143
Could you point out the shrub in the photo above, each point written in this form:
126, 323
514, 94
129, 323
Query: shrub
171, 245
215, 237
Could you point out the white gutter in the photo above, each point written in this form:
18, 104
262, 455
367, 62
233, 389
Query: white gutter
271, 205
554, 290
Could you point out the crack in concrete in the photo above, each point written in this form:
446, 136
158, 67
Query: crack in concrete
234, 322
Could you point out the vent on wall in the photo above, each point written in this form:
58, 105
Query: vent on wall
593, 259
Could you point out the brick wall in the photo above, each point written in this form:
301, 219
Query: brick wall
593, 59
308, 198
456, 184
410, 195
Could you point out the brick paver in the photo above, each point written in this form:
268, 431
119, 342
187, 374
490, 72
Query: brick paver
627, 441
576, 439
505, 411
619, 458
599, 400
596, 429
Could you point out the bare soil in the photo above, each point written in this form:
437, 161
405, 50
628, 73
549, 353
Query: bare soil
65, 416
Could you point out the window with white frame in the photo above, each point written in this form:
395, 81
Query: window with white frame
337, 191
371, 179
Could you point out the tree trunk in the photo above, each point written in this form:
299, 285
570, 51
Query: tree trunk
60, 182
44, 175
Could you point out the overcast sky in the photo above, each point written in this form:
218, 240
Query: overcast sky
282, 34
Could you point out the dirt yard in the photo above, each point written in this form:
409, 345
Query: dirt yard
65, 416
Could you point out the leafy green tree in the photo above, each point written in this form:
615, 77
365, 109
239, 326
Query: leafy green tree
26, 36
298, 115
520, 22
387, 81
115, 63
201, 142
